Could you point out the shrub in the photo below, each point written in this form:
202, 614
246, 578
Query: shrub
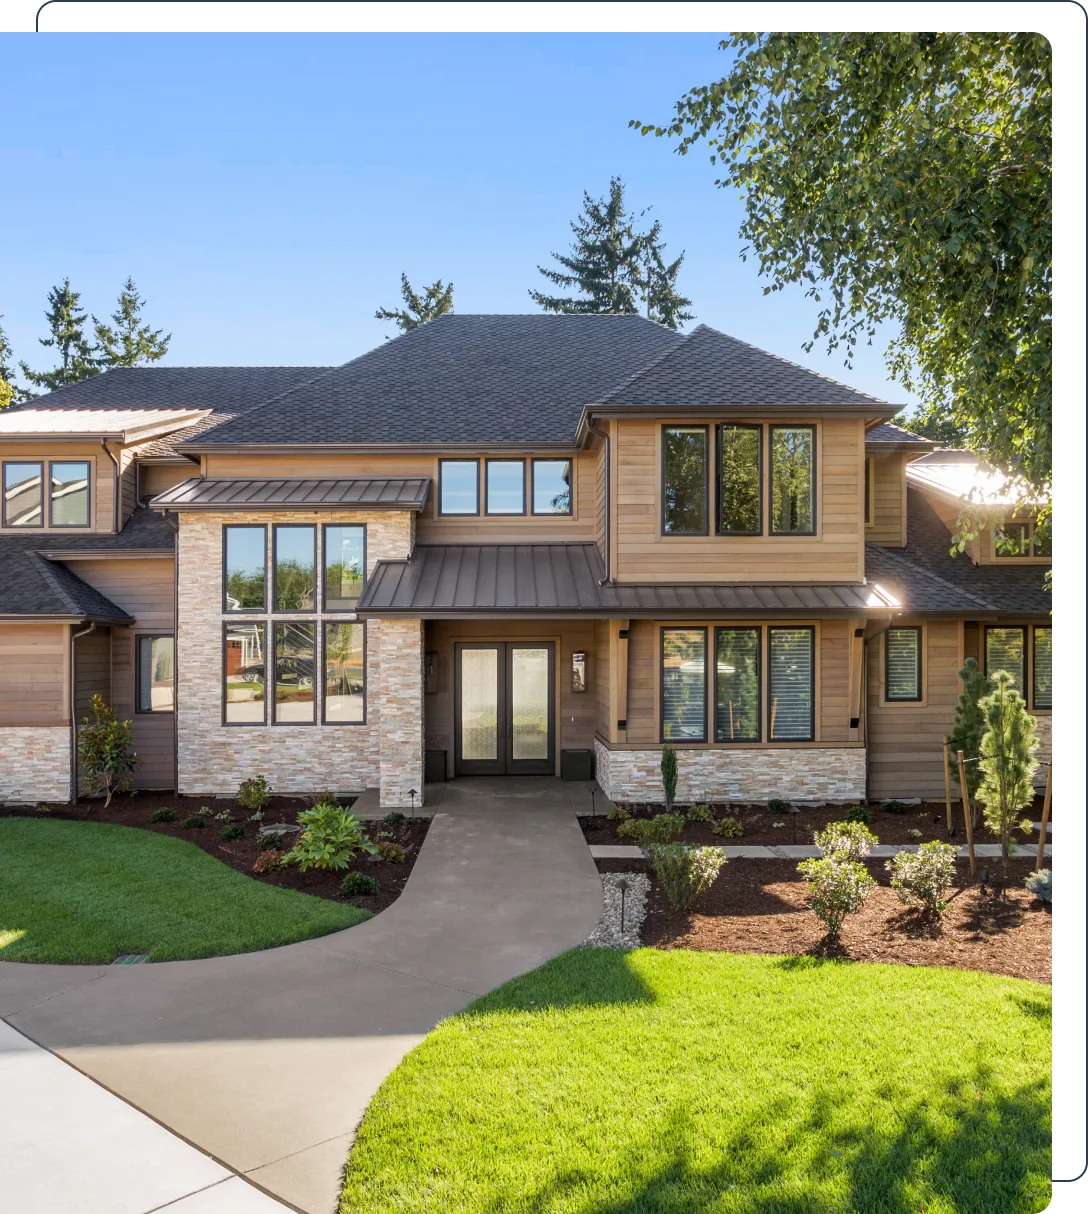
1008, 760
229, 833
355, 884
844, 841
271, 841
915, 834
893, 807
859, 814
105, 750
924, 875
684, 871
163, 814
699, 813
268, 860
42, 808
254, 793
193, 822
330, 835
619, 813
668, 775
662, 828
396, 818
777, 806
837, 888
728, 828
224, 815
257, 815
1040, 884
392, 852
968, 726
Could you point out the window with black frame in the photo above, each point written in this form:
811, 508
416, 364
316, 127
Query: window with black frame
70, 493
23, 495
736, 681
683, 684
244, 673
155, 674
293, 702
1005, 650
345, 566
903, 664
345, 674
740, 479
551, 486
793, 480
684, 480
244, 567
791, 684
1042, 692
295, 556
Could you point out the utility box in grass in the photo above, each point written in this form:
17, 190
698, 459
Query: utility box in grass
576, 764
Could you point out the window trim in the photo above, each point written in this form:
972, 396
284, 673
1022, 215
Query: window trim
284, 611
20, 527
263, 723
524, 486
758, 630
90, 497
155, 636
811, 629
243, 611
759, 428
665, 628
325, 565
1035, 707
324, 626
458, 513
276, 625
549, 459
919, 665
708, 453
814, 529
1023, 630
868, 488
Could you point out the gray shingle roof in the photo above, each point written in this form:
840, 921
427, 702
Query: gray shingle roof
887, 432
711, 368
238, 493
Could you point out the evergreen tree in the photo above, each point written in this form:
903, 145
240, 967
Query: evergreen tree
131, 343
66, 323
663, 302
9, 394
1008, 761
437, 300
968, 726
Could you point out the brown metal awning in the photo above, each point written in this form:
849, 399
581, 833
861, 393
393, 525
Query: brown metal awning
451, 580
233, 493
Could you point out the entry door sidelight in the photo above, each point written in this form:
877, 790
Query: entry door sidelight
504, 708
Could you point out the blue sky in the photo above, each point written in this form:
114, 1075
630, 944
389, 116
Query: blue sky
266, 191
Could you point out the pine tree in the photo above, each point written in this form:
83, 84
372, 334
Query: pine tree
1008, 761
969, 724
663, 302
66, 323
9, 394
437, 300
131, 343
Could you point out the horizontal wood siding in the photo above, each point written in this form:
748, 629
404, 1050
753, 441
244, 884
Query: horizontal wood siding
888, 524
642, 715
92, 670
101, 479
33, 686
599, 676
600, 484
833, 685
157, 478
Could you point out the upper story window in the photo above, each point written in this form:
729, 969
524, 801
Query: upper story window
551, 486
23, 495
793, 480
740, 479
296, 568
1026, 539
69, 485
458, 486
345, 566
684, 480
244, 566
505, 488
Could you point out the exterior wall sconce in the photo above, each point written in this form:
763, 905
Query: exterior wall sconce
430, 674
578, 671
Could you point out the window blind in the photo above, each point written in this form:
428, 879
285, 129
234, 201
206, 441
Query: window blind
683, 684
1041, 664
1005, 651
791, 653
903, 664
736, 716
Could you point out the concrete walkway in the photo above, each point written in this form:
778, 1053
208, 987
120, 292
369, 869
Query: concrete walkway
266, 1061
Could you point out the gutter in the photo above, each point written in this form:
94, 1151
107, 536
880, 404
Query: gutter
607, 554
74, 783
116, 486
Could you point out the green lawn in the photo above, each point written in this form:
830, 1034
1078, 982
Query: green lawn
615, 1083
88, 892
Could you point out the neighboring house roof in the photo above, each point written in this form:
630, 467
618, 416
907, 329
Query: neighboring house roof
887, 434
237, 493
711, 368
960, 476
454, 579
124, 425
33, 585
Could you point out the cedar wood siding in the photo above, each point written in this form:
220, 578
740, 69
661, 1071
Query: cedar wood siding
157, 478
33, 680
888, 521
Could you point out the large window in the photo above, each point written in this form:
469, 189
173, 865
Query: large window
736, 675
1005, 650
345, 674
293, 703
154, 674
458, 486
683, 685
1042, 677
70, 494
684, 480
345, 566
296, 561
244, 667
551, 486
791, 688
739, 480
22, 495
244, 562
505, 489
793, 480
903, 664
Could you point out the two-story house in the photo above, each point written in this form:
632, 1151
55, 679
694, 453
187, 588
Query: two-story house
500, 545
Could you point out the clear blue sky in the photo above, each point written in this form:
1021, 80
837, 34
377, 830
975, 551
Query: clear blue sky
266, 191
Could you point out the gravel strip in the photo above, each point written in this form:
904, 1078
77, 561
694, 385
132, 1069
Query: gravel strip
607, 933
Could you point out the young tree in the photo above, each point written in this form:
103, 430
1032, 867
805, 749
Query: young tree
105, 750
668, 775
130, 344
1008, 761
9, 394
968, 727
66, 321
436, 300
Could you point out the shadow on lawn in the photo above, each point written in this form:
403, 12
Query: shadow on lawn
582, 977
994, 1154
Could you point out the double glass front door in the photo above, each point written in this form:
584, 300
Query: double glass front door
504, 702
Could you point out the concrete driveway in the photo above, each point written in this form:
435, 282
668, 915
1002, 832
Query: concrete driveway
267, 1060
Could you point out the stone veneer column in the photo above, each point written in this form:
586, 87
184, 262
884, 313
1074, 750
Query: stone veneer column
401, 713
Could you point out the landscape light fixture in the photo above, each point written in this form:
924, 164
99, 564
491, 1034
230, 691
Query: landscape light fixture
623, 887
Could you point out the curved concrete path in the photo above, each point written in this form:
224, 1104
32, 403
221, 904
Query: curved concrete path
267, 1060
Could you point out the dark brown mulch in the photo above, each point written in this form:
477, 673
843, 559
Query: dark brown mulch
759, 829
761, 906
135, 810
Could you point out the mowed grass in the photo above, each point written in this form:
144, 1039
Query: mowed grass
616, 1083
88, 892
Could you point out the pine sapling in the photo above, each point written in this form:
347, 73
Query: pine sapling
968, 727
1007, 761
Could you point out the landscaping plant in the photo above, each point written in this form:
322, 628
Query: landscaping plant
229, 833
924, 875
193, 822
662, 828
683, 870
329, 836
893, 807
859, 814
1007, 761
268, 860
619, 813
968, 727
776, 805
105, 750
356, 884
844, 841
668, 775
254, 793
163, 814
396, 818
728, 828
1040, 884
837, 888
699, 813
391, 851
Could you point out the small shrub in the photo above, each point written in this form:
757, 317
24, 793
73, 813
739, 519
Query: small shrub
355, 884
915, 834
859, 814
684, 871
778, 825
229, 833
728, 828
163, 814
924, 875
619, 813
254, 793
699, 813
105, 750
844, 841
257, 815
893, 807
330, 835
777, 806
42, 808
269, 860
1040, 884
1007, 761
396, 818
668, 775
386, 834
271, 841
662, 828
224, 815
392, 852
203, 811
193, 822
837, 888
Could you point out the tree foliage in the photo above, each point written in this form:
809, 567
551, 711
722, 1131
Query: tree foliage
105, 750
904, 178
66, 326
131, 343
436, 300
968, 725
1008, 761
9, 393
940, 427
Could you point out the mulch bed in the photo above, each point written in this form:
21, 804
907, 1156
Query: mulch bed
135, 810
759, 829
761, 906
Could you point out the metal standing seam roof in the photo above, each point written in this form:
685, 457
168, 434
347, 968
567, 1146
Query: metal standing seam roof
561, 578
234, 493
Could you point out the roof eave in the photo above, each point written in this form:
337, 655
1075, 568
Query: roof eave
277, 507
621, 613
199, 448
65, 618
771, 412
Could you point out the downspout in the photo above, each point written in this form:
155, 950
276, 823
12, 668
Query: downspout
172, 523
116, 486
593, 428
74, 781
